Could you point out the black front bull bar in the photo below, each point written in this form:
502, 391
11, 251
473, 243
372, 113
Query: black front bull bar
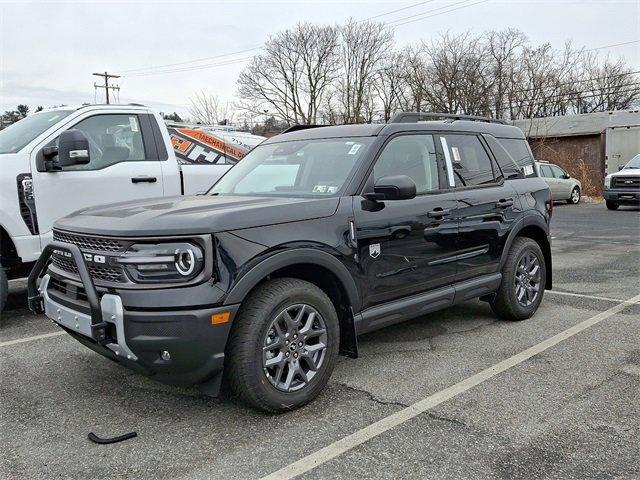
36, 302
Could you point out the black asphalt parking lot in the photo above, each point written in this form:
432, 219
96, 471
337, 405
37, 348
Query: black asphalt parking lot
570, 411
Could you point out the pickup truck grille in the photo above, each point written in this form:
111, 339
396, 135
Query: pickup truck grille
106, 274
89, 243
626, 182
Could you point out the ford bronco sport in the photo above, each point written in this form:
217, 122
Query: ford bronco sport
317, 236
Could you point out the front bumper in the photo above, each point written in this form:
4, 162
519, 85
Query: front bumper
622, 196
136, 337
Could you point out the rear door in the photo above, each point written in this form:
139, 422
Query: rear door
124, 166
487, 205
407, 247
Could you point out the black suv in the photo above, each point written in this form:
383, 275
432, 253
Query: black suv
317, 236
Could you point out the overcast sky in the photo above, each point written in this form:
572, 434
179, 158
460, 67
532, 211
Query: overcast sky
48, 50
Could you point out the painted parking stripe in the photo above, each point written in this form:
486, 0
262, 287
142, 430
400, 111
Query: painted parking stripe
31, 339
582, 295
349, 442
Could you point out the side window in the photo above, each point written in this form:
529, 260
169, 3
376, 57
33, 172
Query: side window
112, 139
411, 155
519, 150
471, 162
545, 171
508, 165
557, 171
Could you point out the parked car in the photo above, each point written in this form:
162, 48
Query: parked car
126, 154
623, 187
298, 249
563, 186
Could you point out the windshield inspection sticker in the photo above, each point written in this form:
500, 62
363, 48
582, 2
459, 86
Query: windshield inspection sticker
133, 123
355, 149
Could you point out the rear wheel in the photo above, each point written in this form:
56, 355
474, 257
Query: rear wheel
4, 288
574, 199
283, 346
611, 205
523, 281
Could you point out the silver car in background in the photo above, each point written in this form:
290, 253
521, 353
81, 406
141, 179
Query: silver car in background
562, 185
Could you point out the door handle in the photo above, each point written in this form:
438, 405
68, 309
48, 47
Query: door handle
438, 213
144, 180
505, 203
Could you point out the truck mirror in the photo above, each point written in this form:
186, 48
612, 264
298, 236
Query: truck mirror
73, 148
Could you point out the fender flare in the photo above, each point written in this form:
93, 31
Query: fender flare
291, 257
536, 220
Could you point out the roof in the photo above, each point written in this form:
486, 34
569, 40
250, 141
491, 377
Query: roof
573, 125
367, 130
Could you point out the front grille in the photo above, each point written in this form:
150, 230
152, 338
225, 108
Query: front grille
67, 289
89, 243
626, 182
106, 274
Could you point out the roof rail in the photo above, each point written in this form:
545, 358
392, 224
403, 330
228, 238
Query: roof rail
295, 128
415, 117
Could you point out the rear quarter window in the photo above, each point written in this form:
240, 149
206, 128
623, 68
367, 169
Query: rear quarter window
520, 153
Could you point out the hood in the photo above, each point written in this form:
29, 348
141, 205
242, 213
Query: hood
629, 172
193, 215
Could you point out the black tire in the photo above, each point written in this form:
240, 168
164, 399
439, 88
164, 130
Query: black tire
245, 375
506, 304
573, 199
611, 205
4, 288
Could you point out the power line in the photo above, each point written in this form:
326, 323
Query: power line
422, 17
192, 68
396, 10
612, 45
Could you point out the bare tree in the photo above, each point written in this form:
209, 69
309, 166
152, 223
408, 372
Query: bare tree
390, 84
292, 75
364, 45
210, 110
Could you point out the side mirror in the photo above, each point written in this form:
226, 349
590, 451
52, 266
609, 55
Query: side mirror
393, 187
73, 148
566, 176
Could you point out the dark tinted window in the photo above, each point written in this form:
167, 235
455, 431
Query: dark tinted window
411, 155
509, 167
471, 162
519, 151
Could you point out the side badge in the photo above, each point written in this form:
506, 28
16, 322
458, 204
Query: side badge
374, 250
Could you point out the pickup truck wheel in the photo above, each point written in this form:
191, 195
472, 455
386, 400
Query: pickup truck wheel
612, 205
523, 281
574, 199
4, 288
283, 345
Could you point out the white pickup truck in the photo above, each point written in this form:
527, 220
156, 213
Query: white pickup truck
58, 161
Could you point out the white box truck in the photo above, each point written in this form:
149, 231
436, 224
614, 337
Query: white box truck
121, 153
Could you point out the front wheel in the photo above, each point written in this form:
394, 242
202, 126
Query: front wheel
283, 345
574, 199
4, 288
523, 281
612, 205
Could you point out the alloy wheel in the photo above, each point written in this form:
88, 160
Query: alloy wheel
528, 279
294, 347
575, 196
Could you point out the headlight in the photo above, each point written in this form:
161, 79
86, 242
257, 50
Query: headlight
163, 262
607, 181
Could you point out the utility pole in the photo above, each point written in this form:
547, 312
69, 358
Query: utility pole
106, 85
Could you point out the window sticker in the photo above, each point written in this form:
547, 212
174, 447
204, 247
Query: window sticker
133, 122
354, 149
332, 189
456, 154
528, 169
320, 189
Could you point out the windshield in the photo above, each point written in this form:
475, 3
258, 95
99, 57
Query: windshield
633, 163
304, 168
17, 135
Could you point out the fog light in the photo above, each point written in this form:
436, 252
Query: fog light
166, 356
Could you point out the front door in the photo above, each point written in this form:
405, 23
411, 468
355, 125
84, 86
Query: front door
407, 246
121, 169
554, 184
487, 205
